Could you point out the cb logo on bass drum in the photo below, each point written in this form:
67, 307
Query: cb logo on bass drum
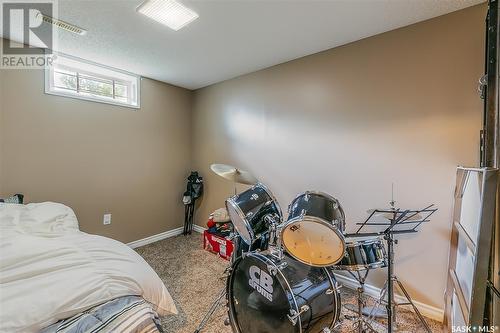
261, 281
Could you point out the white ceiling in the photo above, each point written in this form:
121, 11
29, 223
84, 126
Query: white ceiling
231, 37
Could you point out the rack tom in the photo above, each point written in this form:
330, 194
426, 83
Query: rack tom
249, 212
313, 233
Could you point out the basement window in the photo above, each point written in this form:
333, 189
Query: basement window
72, 77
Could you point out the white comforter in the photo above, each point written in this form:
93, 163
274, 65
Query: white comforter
49, 270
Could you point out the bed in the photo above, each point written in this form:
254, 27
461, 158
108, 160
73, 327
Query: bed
55, 278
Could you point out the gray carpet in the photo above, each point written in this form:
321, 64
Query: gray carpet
193, 277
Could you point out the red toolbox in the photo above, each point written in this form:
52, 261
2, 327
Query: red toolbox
219, 245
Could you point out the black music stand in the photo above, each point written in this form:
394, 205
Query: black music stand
396, 222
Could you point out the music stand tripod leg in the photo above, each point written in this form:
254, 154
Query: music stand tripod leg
391, 320
422, 319
374, 311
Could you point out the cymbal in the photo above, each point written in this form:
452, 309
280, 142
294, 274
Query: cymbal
234, 174
390, 216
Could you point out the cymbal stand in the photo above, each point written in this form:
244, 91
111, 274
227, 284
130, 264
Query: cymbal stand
215, 305
219, 300
361, 323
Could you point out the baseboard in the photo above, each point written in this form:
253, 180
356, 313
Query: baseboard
156, 238
426, 310
198, 228
163, 235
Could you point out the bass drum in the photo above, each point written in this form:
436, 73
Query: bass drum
268, 295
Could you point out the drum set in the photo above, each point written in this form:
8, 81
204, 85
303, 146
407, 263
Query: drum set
281, 276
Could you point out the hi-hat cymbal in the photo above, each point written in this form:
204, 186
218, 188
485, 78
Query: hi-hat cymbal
234, 174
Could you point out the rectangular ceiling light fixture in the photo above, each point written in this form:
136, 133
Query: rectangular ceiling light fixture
171, 13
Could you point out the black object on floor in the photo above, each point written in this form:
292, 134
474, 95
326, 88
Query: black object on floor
194, 190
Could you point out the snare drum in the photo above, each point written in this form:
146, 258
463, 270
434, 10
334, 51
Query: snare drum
249, 210
363, 254
313, 232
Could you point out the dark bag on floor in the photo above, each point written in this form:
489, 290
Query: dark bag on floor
194, 190
195, 185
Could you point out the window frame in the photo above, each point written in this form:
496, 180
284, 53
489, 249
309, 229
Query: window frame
51, 89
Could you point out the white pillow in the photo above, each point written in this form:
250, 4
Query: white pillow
43, 219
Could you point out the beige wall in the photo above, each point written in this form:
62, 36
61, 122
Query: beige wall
98, 158
399, 107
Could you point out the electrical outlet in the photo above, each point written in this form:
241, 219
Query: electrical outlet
107, 219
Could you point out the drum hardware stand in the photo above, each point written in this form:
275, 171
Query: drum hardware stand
215, 305
222, 294
274, 240
362, 324
409, 221
275, 246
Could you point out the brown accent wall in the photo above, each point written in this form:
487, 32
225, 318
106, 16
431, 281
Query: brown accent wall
97, 158
399, 107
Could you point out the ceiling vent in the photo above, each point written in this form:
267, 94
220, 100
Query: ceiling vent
63, 25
